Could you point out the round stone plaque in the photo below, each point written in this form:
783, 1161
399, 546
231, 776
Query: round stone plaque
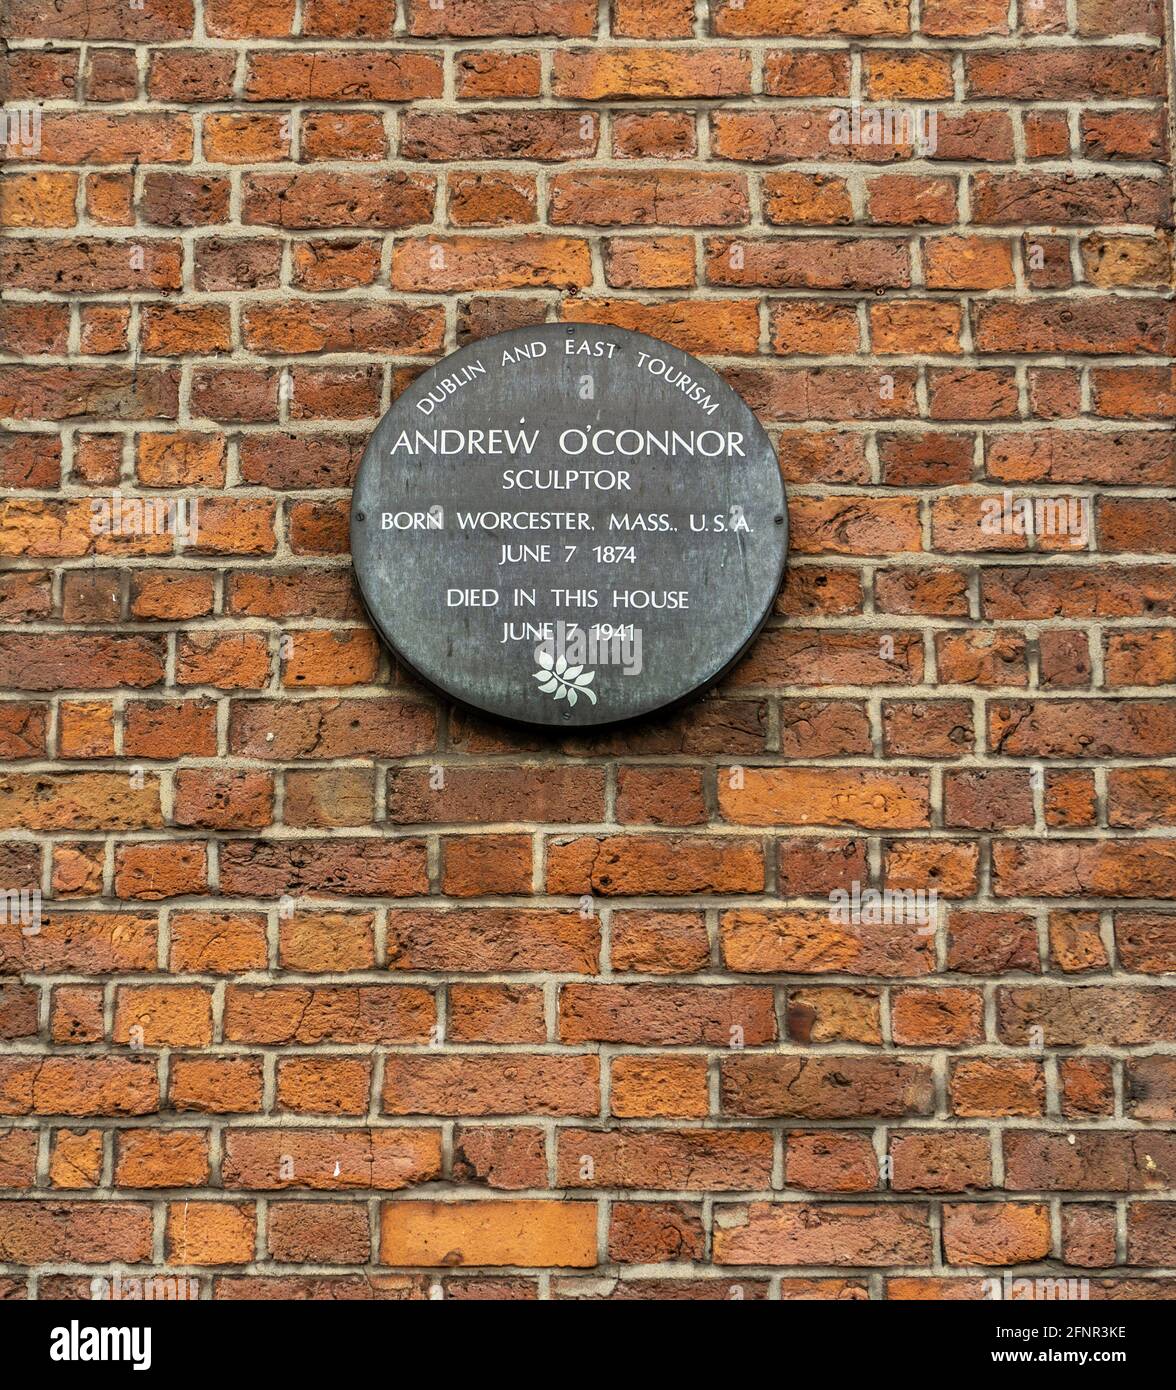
569, 525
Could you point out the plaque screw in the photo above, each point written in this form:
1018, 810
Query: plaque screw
779, 520
359, 516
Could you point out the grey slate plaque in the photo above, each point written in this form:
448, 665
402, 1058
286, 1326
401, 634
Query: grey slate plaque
569, 525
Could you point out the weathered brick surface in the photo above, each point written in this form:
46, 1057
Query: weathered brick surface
336, 988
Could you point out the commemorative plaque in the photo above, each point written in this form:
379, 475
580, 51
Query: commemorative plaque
569, 525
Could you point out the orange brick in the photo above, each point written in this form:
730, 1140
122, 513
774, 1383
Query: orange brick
518, 1233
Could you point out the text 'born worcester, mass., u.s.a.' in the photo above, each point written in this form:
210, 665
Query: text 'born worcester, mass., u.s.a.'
569, 525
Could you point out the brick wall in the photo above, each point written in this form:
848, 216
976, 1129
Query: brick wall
296, 1013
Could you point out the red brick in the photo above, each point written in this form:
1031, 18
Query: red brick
38, 1232
806, 1234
